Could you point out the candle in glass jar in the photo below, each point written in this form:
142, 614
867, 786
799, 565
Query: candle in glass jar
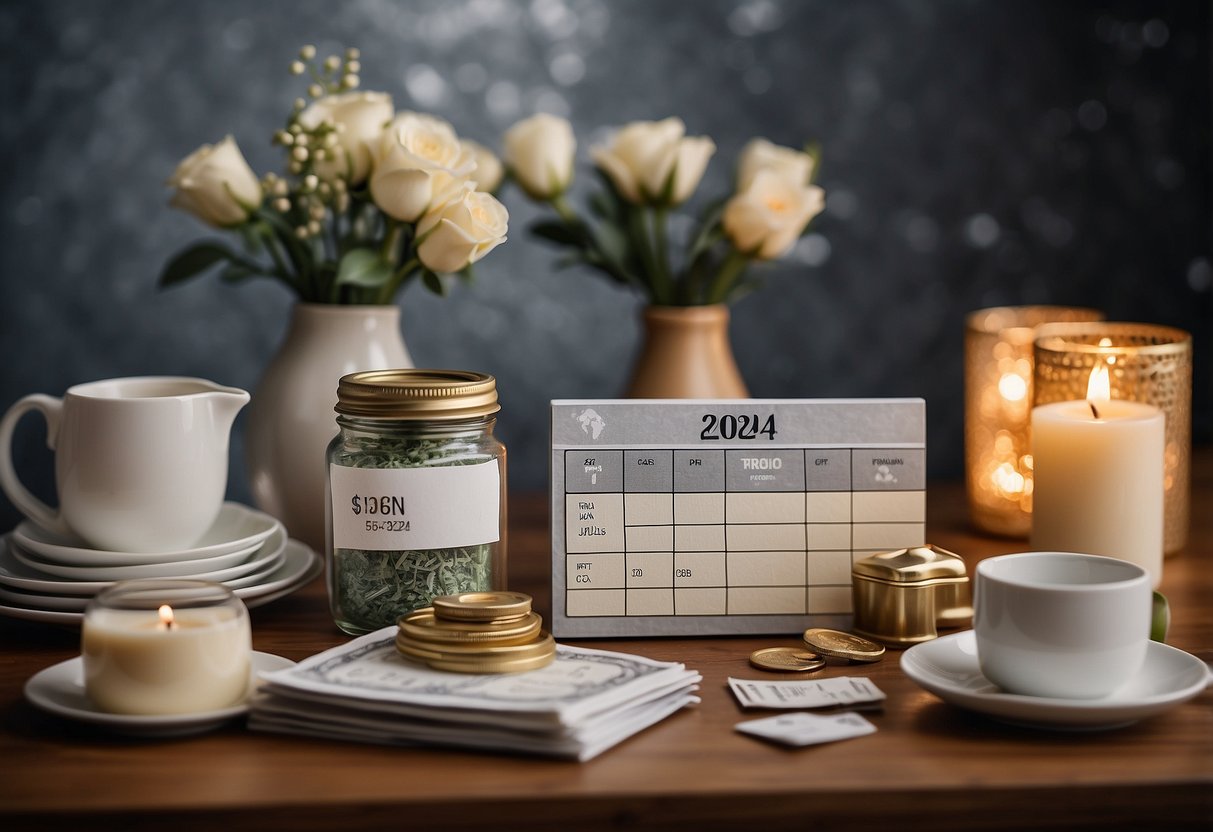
1098, 468
166, 660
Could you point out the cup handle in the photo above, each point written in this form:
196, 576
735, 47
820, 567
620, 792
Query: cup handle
51, 409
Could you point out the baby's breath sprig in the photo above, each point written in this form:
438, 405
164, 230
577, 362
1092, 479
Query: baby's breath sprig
332, 75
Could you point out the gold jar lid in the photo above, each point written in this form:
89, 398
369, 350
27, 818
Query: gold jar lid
912, 566
442, 395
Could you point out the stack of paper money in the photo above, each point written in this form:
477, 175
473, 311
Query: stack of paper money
577, 707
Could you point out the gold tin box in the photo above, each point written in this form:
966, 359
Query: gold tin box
905, 597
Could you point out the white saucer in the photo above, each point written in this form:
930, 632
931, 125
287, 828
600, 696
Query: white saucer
299, 565
215, 568
59, 690
236, 528
948, 668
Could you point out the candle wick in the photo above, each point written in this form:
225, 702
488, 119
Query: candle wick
1094, 412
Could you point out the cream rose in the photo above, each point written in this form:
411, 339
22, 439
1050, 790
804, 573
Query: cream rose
643, 156
419, 163
759, 154
359, 118
461, 231
540, 151
216, 184
489, 170
767, 218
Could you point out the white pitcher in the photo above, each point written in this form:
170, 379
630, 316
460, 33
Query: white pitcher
140, 463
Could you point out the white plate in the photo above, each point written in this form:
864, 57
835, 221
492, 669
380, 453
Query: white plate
218, 568
65, 603
298, 567
49, 601
236, 528
948, 668
59, 690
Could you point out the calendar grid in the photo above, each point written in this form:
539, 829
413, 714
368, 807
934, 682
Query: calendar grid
650, 540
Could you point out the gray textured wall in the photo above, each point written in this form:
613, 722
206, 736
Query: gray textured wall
976, 153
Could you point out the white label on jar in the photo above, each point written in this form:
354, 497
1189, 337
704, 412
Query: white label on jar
398, 509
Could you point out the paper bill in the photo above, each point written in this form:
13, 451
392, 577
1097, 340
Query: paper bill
807, 729
841, 691
580, 705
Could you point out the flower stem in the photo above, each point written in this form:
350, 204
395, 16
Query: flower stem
661, 252
638, 231
726, 278
390, 239
397, 280
564, 210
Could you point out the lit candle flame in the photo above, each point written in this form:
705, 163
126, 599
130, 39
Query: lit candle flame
166, 617
1099, 387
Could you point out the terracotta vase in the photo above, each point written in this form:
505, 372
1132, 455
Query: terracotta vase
686, 355
291, 418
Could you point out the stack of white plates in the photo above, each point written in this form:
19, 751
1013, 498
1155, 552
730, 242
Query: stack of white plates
45, 576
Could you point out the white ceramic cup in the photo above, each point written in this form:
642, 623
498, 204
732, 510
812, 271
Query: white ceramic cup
140, 463
1061, 625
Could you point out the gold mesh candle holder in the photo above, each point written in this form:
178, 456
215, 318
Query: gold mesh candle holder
1146, 363
998, 407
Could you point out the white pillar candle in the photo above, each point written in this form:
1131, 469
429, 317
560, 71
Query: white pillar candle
136, 663
1098, 474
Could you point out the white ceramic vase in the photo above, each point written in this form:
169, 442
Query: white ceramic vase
291, 418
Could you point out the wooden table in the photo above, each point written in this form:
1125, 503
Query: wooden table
929, 766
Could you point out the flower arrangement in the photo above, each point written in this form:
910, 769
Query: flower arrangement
370, 198
647, 170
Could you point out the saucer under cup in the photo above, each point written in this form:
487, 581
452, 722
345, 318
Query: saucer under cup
236, 528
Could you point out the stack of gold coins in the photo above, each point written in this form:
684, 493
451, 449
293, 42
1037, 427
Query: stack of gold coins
477, 632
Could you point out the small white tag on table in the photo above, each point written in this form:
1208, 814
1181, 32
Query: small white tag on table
807, 729
841, 691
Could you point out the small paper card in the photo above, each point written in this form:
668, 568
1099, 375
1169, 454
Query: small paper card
807, 729
842, 691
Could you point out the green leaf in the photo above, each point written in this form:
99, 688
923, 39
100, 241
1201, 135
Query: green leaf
237, 273
250, 234
745, 286
605, 205
559, 232
194, 260
433, 282
363, 267
613, 242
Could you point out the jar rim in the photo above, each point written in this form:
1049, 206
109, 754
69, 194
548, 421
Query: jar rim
420, 394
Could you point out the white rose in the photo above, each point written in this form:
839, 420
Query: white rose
540, 152
461, 231
489, 170
359, 118
759, 154
216, 184
767, 218
420, 162
643, 155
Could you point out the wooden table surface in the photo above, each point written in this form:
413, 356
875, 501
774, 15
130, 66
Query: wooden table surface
929, 766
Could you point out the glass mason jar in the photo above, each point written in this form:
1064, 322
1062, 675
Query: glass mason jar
416, 494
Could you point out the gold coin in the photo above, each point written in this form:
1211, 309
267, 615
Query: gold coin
413, 651
529, 648
483, 606
422, 626
512, 666
841, 645
787, 659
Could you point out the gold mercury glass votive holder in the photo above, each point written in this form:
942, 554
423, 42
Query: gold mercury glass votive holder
1146, 363
998, 409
